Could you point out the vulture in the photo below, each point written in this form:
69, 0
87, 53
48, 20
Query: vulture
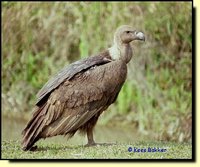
76, 96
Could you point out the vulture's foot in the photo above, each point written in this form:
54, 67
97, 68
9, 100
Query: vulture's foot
91, 144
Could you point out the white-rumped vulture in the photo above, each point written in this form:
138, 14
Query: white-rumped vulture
75, 97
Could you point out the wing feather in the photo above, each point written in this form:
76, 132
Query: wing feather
85, 96
70, 71
74, 102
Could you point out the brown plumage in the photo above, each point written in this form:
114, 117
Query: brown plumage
76, 96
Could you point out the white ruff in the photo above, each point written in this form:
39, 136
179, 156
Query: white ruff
114, 52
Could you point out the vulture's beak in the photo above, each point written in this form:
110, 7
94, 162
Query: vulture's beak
139, 36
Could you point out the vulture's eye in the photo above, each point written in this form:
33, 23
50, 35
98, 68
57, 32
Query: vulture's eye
127, 32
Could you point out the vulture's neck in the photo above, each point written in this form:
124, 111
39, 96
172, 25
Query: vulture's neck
121, 52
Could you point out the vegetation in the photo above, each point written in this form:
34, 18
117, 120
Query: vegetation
12, 150
39, 38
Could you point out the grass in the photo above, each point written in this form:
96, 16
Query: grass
12, 150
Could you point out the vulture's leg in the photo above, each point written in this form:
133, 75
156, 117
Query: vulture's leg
89, 128
91, 141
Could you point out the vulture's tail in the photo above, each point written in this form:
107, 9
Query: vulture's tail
32, 131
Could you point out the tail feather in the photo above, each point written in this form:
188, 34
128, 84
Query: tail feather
31, 133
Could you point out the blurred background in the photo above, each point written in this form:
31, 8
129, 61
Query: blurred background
39, 38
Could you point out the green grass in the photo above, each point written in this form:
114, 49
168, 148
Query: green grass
12, 150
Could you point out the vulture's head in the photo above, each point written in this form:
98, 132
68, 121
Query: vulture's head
122, 37
125, 34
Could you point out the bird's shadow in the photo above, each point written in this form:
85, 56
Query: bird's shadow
101, 144
46, 148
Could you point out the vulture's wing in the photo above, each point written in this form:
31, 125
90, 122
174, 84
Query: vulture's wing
76, 102
69, 72
84, 97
